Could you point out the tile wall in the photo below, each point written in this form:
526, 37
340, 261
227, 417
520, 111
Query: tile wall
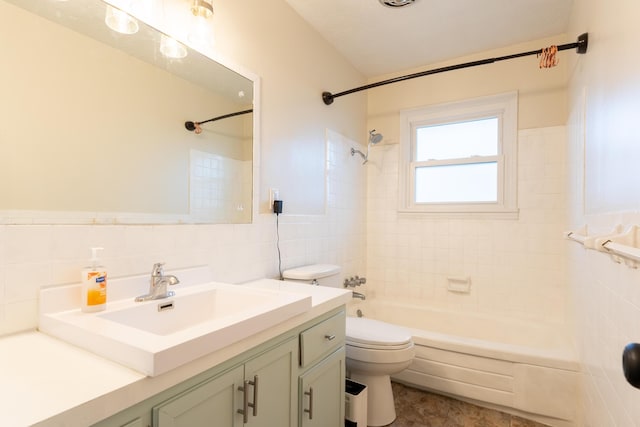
32, 256
517, 267
607, 305
219, 188
603, 169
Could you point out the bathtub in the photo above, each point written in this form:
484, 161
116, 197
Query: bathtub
520, 367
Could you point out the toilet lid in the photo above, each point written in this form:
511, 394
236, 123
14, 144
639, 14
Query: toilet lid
370, 332
310, 272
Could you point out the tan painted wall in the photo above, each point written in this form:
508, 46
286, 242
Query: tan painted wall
542, 93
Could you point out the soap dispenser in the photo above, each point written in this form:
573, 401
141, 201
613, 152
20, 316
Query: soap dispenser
94, 285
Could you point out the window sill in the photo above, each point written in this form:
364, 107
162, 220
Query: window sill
507, 214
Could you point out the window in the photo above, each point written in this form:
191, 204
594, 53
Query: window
460, 157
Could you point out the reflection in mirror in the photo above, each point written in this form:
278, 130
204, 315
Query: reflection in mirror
195, 126
92, 124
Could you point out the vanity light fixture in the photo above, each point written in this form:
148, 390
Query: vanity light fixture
171, 48
201, 32
202, 8
120, 21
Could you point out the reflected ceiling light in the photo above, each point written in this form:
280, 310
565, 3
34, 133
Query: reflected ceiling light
171, 48
119, 21
203, 8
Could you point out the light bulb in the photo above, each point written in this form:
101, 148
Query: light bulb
201, 32
171, 48
120, 21
202, 8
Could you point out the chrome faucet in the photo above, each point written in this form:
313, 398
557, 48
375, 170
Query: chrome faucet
158, 284
354, 281
359, 295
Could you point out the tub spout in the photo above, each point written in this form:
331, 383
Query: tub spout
359, 295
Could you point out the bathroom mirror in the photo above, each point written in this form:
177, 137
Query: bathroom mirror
92, 124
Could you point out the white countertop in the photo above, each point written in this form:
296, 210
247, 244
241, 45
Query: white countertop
47, 382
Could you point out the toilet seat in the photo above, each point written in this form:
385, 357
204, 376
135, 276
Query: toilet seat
376, 335
379, 347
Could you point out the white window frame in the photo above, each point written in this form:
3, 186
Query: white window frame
505, 108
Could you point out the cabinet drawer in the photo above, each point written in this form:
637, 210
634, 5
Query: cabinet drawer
321, 339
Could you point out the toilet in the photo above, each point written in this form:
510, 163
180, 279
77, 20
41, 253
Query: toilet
375, 350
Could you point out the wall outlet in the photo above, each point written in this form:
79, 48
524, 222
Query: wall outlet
274, 194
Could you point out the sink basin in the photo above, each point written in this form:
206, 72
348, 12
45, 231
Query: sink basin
156, 336
168, 316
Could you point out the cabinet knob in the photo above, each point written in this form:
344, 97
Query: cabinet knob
329, 337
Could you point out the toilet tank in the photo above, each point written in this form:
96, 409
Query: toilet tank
315, 274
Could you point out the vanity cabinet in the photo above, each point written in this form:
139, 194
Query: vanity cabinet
281, 378
275, 390
322, 392
260, 392
199, 406
322, 373
138, 422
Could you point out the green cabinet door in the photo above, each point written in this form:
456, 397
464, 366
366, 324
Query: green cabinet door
138, 422
275, 392
260, 393
322, 393
210, 404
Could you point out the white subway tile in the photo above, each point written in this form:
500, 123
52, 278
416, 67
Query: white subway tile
29, 243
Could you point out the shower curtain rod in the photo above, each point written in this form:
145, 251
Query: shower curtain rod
195, 125
580, 46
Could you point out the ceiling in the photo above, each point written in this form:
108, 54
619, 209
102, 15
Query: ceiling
380, 40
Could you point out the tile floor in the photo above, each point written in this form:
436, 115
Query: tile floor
417, 408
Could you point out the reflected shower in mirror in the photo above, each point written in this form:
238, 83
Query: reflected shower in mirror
92, 124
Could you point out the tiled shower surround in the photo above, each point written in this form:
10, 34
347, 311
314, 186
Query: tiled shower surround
516, 267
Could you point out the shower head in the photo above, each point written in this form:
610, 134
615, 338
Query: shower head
374, 137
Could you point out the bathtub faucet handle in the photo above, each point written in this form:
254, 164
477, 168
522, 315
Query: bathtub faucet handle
354, 281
